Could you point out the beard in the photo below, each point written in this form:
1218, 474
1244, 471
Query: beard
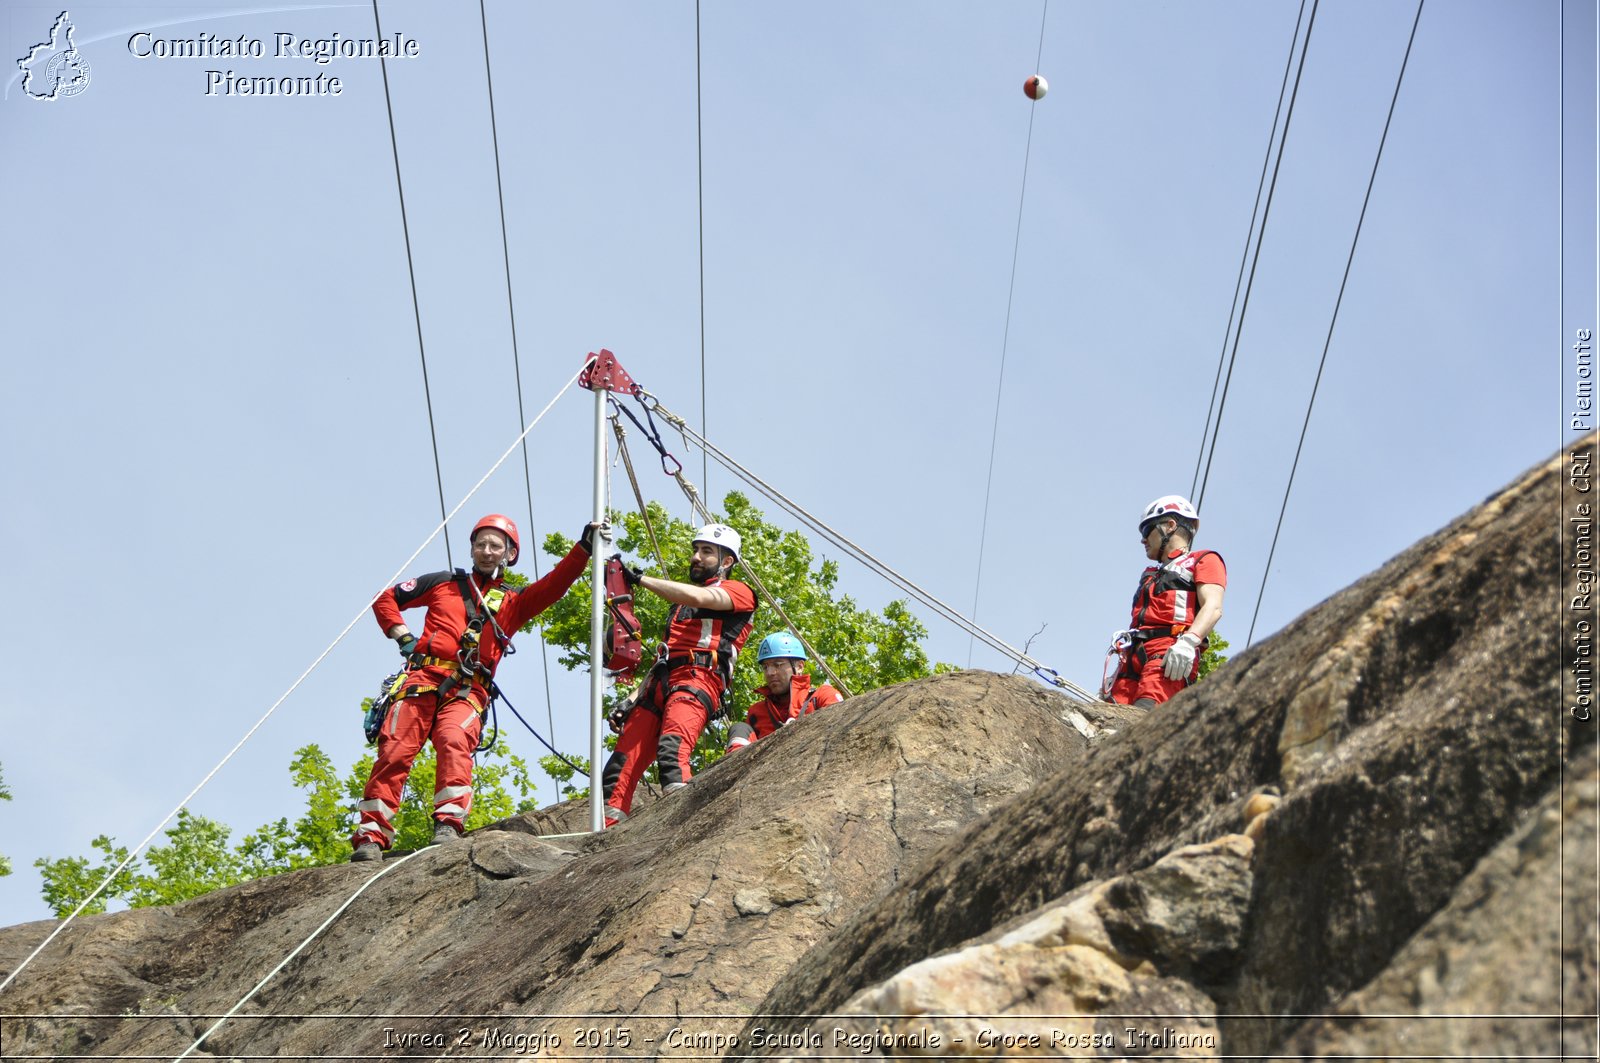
699, 573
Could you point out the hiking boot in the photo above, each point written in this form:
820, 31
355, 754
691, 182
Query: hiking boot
614, 816
444, 834
366, 851
673, 787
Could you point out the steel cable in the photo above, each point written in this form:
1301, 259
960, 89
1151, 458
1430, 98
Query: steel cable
411, 270
516, 358
1005, 341
1334, 320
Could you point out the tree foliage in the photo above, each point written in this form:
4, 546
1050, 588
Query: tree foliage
197, 857
1213, 658
866, 649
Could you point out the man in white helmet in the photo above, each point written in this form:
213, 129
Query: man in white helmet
707, 626
1178, 603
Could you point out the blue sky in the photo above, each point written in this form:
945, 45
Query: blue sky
218, 448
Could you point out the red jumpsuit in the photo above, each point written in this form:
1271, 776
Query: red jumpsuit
766, 716
683, 692
1163, 608
416, 715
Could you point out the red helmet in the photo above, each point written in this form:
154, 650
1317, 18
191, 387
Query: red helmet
505, 526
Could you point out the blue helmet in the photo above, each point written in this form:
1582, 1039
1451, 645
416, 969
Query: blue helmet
781, 644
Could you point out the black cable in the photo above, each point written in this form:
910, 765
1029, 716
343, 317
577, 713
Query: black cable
411, 268
516, 356
1244, 256
1267, 571
700, 187
999, 391
1255, 259
500, 694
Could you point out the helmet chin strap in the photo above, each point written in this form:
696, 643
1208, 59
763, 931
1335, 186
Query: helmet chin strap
1166, 537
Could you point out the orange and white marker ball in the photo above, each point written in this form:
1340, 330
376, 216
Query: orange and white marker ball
1035, 87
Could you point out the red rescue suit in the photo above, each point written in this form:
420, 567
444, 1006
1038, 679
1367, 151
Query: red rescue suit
682, 692
1163, 608
766, 715
417, 715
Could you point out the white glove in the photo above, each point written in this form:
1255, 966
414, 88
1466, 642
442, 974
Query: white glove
1180, 658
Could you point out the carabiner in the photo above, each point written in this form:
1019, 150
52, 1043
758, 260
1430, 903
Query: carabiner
1053, 678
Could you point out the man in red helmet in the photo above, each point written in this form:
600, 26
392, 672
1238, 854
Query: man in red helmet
1178, 603
708, 624
470, 621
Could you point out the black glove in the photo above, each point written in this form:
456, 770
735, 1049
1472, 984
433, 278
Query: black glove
407, 644
632, 574
586, 537
617, 717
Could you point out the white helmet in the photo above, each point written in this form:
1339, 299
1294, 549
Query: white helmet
1168, 506
720, 535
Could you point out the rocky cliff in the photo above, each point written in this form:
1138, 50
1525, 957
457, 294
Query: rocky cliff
1372, 835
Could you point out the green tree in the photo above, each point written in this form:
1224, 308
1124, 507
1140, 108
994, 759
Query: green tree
69, 880
1213, 658
866, 649
197, 857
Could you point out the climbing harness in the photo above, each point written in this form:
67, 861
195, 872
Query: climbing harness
1124, 659
1174, 575
467, 667
646, 692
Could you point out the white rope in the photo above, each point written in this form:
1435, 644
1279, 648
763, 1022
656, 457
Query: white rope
868, 559
285, 696
390, 866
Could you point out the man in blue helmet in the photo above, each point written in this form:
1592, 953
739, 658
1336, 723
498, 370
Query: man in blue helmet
789, 694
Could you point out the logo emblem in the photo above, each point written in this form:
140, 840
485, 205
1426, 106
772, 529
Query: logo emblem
55, 68
409, 585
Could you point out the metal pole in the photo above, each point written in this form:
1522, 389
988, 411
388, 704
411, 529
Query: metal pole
597, 617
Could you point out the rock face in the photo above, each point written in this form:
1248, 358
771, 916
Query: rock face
695, 906
1505, 945
1379, 819
1411, 723
1055, 981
